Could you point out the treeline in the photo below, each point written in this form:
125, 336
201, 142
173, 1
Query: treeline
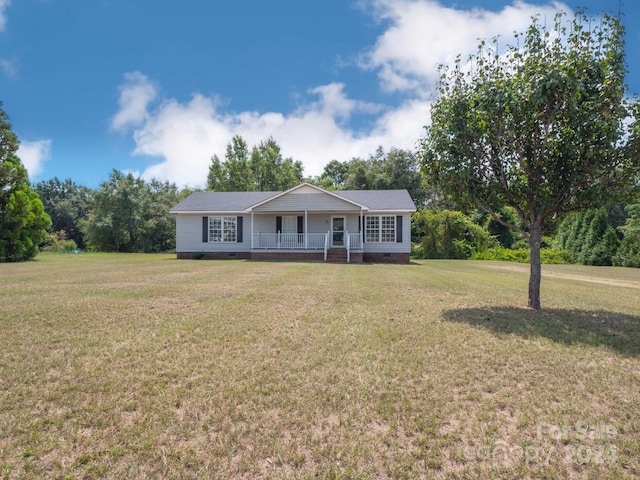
263, 168
606, 236
128, 214
124, 214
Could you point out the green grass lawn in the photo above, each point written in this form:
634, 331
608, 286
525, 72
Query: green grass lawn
143, 366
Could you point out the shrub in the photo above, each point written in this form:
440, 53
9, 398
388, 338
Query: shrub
69, 246
628, 255
521, 255
448, 234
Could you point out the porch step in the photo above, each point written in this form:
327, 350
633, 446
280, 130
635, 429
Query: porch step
337, 255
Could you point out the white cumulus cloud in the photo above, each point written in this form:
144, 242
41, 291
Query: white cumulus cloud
33, 155
135, 95
4, 4
187, 135
424, 34
419, 35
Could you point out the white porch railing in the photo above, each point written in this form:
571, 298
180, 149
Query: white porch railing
355, 241
297, 241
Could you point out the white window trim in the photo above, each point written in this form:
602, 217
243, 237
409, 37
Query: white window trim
225, 220
378, 230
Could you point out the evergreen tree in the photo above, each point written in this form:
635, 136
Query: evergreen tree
600, 243
23, 221
628, 255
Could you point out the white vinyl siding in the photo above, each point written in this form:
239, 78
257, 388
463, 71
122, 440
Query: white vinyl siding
312, 202
189, 232
189, 236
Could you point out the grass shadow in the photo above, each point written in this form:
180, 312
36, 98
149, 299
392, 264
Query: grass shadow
617, 331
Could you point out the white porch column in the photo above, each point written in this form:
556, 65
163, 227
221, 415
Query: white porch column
251, 229
361, 228
306, 232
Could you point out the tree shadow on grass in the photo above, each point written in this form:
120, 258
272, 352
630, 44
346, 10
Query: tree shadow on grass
617, 331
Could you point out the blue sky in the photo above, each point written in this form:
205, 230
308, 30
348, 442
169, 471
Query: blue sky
158, 87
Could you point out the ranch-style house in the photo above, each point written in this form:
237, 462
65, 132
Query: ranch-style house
304, 222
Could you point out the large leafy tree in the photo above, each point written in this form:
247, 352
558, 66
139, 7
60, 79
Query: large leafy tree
395, 169
23, 221
544, 127
67, 204
127, 214
264, 169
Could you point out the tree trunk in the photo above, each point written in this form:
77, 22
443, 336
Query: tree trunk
535, 275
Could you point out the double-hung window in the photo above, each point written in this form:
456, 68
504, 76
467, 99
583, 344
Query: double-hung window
222, 229
373, 229
380, 228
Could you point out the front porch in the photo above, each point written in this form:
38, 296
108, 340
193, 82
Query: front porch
337, 246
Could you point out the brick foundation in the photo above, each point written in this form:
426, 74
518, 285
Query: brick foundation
213, 255
356, 257
287, 256
386, 257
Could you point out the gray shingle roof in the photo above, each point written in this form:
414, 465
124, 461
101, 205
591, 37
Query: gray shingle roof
240, 201
221, 201
379, 199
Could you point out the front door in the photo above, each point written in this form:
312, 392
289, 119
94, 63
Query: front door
337, 231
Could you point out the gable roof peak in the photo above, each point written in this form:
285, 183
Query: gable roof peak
306, 185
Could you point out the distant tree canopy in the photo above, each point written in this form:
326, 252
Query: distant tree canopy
23, 221
67, 204
127, 214
264, 169
396, 169
545, 128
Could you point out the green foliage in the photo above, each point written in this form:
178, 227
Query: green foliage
521, 255
23, 221
264, 170
628, 255
396, 169
66, 203
588, 237
59, 242
601, 242
448, 234
507, 237
128, 214
544, 127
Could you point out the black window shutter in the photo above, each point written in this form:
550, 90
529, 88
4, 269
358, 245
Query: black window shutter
278, 224
205, 229
239, 230
363, 222
300, 224
399, 229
